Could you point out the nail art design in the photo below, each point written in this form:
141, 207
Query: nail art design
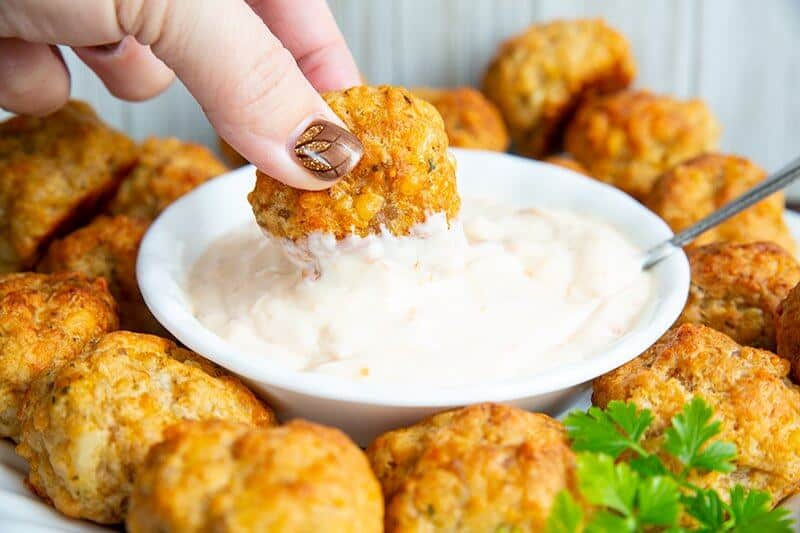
327, 150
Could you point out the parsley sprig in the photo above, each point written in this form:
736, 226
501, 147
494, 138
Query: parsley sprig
639, 493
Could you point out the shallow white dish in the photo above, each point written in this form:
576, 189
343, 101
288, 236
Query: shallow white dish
186, 229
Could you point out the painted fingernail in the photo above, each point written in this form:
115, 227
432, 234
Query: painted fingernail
327, 151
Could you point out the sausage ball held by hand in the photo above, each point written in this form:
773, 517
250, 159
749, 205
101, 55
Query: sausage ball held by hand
222, 476
470, 120
107, 248
405, 173
56, 172
538, 77
46, 321
87, 425
695, 188
627, 139
487, 467
747, 388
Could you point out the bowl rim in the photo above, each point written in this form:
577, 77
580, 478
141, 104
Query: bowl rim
156, 285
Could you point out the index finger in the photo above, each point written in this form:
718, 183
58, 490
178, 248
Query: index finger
311, 34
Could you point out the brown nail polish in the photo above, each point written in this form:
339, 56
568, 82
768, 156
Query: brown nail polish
327, 150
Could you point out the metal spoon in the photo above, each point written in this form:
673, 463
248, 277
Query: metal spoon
774, 183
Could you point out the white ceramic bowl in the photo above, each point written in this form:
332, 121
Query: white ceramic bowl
186, 228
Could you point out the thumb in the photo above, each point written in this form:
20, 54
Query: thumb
251, 89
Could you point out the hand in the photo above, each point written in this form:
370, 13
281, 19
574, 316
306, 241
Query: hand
236, 57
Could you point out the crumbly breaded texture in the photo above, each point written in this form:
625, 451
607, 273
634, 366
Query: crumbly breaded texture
694, 189
87, 425
234, 158
736, 289
758, 406
405, 173
788, 330
167, 169
56, 172
567, 162
46, 321
470, 119
627, 139
107, 248
482, 468
538, 77
219, 476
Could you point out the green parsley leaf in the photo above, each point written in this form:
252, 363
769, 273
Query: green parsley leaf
605, 522
707, 508
648, 466
750, 513
691, 429
659, 501
634, 423
612, 431
605, 484
566, 514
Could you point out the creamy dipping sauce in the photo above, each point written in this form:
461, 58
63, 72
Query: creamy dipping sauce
502, 293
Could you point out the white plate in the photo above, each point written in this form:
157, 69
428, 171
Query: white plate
364, 410
21, 511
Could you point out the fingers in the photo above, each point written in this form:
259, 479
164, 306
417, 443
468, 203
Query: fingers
309, 31
247, 83
33, 77
129, 70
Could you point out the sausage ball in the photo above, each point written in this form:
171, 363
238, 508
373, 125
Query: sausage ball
107, 248
470, 120
55, 174
538, 77
628, 139
481, 468
694, 189
219, 476
87, 425
405, 173
567, 162
167, 169
788, 330
736, 289
234, 158
46, 321
759, 408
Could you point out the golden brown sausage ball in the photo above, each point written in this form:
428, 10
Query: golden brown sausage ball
628, 139
219, 476
566, 162
87, 425
788, 330
470, 120
167, 169
481, 468
538, 77
46, 321
757, 405
694, 189
234, 158
404, 175
736, 289
55, 173
107, 248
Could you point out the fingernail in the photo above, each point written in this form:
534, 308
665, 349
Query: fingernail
326, 150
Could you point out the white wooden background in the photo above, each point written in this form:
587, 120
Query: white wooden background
742, 56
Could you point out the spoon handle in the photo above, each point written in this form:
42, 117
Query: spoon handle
774, 183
